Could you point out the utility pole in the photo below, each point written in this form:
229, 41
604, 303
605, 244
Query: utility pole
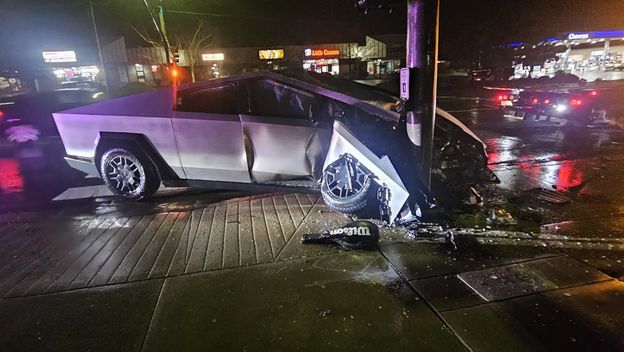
163, 32
422, 62
160, 29
99, 46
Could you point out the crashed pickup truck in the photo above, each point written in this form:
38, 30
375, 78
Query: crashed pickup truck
274, 131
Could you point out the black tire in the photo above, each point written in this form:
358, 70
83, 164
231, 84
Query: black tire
338, 198
129, 174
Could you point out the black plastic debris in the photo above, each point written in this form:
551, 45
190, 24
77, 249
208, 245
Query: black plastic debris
360, 234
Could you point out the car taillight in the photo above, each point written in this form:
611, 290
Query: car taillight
535, 100
593, 93
1, 114
546, 101
576, 102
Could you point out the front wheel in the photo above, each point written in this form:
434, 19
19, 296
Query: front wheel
129, 174
345, 185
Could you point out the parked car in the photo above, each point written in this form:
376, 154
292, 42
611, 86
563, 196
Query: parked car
481, 75
613, 66
294, 130
35, 109
575, 107
96, 88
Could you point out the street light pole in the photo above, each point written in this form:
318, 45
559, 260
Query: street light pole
99, 46
422, 61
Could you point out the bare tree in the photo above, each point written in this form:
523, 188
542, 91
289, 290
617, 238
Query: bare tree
189, 41
193, 45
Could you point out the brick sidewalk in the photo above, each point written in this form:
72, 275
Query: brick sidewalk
52, 256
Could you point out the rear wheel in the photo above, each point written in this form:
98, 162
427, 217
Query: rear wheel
129, 174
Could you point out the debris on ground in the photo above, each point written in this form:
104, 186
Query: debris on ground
360, 234
502, 217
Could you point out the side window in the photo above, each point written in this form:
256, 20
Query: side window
215, 100
271, 98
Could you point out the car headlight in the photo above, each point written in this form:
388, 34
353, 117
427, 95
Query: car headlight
561, 107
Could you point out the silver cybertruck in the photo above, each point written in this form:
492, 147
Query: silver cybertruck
274, 131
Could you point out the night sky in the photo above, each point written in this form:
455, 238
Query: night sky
29, 26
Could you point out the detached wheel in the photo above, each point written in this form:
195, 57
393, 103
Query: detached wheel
129, 174
345, 186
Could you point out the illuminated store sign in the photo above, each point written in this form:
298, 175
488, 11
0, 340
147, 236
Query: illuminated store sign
575, 36
322, 52
271, 54
59, 56
213, 57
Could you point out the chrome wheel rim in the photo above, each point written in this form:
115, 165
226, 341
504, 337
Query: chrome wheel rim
345, 179
125, 174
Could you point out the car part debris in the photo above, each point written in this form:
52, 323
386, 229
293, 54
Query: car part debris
360, 234
450, 239
475, 198
502, 217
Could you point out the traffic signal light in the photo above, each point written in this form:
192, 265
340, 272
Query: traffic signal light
176, 56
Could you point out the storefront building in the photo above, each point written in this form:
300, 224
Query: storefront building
67, 65
589, 55
347, 60
322, 60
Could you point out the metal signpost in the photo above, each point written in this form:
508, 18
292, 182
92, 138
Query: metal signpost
420, 85
419, 79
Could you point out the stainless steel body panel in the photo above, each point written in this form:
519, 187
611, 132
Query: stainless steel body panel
211, 146
282, 148
88, 167
80, 134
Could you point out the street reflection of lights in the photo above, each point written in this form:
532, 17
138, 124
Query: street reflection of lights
500, 150
11, 179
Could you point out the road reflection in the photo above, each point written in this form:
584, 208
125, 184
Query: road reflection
11, 179
520, 169
32, 174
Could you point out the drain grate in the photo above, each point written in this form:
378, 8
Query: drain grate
550, 196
